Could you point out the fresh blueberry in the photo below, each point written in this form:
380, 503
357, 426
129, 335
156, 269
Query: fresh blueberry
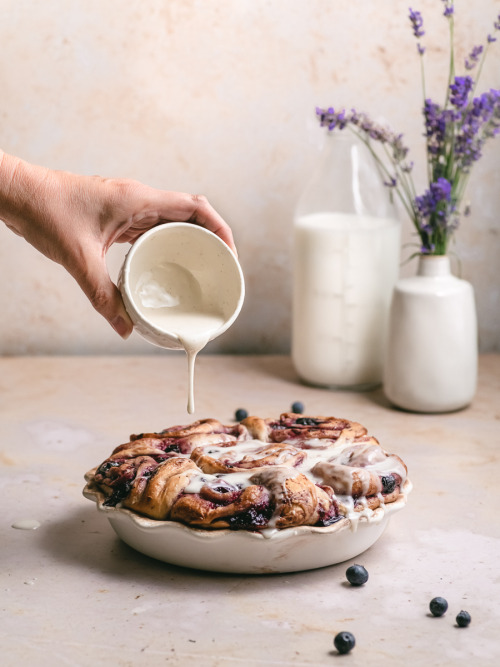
356, 575
344, 642
298, 407
438, 606
463, 619
240, 414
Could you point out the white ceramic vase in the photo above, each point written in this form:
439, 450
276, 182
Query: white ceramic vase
431, 359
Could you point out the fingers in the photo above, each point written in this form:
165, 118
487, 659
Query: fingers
206, 216
93, 278
185, 207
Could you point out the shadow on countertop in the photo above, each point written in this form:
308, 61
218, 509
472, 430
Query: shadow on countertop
85, 541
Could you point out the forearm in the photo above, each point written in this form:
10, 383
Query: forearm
34, 205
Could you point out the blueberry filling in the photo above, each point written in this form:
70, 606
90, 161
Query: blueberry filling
388, 483
119, 493
172, 448
330, 516
252, 518
329, 519
307, 421
104, 467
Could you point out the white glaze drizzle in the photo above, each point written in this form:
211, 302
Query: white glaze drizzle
319, 452
26, 524
172, 300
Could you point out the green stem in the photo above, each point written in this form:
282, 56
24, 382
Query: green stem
462, 182
424, 95
451, 74
480, 69
404, 178
387, 174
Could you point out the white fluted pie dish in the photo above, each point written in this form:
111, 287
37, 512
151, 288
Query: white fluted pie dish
249, 552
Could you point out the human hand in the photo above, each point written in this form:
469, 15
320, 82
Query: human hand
74, 220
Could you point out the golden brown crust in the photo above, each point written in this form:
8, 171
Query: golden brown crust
202, 513
258, 428
260, 473
156, 496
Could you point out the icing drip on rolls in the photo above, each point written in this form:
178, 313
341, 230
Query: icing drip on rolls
259, 474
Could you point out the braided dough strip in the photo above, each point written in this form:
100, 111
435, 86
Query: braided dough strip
267, 455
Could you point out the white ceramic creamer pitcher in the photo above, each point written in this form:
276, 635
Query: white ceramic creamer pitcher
182, 287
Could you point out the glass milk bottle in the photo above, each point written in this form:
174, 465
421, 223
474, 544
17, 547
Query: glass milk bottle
345, 265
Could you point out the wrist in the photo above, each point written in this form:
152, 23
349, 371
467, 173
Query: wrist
20, 183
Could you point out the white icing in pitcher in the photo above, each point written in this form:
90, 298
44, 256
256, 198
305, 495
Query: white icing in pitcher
172, 300
182, 286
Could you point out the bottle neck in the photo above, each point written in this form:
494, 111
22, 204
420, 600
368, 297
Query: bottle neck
433, 265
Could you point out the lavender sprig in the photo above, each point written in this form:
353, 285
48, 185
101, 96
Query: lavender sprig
397, 176
473, 58
449, 10
455, 135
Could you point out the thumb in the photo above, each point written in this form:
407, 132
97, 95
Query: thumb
104, 295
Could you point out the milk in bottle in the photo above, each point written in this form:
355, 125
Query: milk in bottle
345, 265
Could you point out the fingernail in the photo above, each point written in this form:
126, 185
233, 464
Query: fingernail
121, 326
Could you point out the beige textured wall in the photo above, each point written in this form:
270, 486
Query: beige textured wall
217, 97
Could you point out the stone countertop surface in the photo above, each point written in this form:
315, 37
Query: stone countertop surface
73, 594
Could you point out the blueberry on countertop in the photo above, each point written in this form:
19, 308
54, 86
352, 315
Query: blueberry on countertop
438, 606
344, 642
240, 414
298, 407
356, 575
463, 619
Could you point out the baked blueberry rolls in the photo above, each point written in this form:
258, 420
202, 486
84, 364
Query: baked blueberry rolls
258, 474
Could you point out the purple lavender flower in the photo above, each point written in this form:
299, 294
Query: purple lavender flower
417, 23
435, 204
331, 118
438, 125
473, 58
460, 90
431, 202
455, 135
496, 26
441, 190
449, 9
365, 127
434, 209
